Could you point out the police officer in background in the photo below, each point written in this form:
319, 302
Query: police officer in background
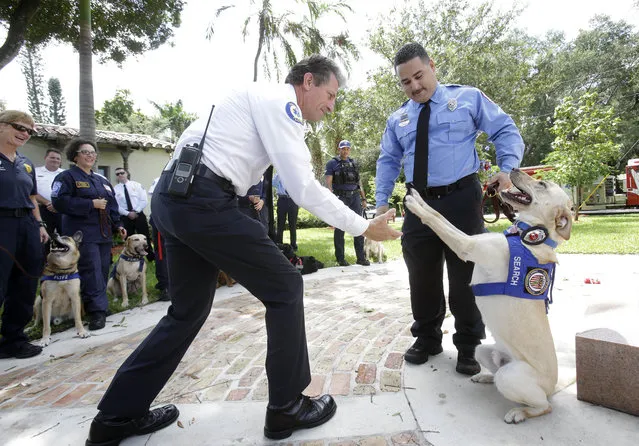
21, 235
342, 177
132, 200
255, 126
433, 134
45, 176
87, 203
286, 208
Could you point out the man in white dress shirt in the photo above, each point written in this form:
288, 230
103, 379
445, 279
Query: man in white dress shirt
132, 200
44, 177
253, 127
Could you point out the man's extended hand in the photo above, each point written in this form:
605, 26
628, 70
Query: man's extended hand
502, 178
379, 230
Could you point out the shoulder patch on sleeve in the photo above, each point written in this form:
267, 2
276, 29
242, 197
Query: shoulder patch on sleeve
55, 189
293, 112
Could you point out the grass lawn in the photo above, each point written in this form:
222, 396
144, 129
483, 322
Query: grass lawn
609, 234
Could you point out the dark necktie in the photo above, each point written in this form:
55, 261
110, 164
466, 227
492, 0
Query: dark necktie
420, 166
129, 206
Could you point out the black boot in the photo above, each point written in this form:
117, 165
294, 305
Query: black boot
420, 350
466, 362
303, 413
97, 320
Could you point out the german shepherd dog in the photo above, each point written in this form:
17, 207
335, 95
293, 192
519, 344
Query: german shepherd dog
60, 286
129, 271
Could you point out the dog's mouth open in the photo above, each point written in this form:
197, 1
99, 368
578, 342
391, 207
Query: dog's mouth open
517, 195
58, 245
141, 250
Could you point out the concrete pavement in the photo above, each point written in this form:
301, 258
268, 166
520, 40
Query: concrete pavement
358, 321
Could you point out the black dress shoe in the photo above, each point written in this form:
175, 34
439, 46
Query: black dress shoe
302, 414
110, 431
164, 296
364, 262
97, 321
21, 350
418, 353
343, 263
467, 364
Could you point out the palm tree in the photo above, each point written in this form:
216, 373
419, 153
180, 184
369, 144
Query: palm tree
87, 110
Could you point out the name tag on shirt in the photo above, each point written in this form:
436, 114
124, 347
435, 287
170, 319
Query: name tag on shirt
82, 184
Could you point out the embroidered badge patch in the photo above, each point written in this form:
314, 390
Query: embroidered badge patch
55, 188
403, 120
82, 184
534, 235
452, 104
28, 168
293, 112
536, 281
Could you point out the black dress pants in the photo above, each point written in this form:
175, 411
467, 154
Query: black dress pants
424, 254
354, 202
287, 209
204, 233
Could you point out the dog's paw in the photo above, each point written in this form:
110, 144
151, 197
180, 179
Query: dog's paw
45, 341
516, 415
84, 334
125, 304
145, 300
483, 378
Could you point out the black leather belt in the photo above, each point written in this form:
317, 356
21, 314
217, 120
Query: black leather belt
345, 193
203, 171
436, 192
17, 212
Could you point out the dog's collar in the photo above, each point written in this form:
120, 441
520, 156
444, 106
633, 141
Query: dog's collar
131, 258
531, 235
61, 277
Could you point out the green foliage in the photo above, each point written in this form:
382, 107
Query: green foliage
57, 108
119, 109
177, 117
121, 28
31, 62
307, 220
584, 141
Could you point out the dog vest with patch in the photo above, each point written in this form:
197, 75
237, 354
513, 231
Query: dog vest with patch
527, 278
61, 277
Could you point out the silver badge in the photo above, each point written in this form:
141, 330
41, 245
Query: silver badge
452, 104
403, 120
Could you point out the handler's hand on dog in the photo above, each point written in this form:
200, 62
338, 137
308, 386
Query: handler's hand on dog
379, 230
99, 203
503, 179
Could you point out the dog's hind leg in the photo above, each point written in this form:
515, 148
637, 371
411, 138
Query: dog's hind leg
518, 382
47, 303
484, 354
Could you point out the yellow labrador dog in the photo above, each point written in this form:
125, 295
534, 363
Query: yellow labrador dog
374, 250
522, 363
129, 272
60, 287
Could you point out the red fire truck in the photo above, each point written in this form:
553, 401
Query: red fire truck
620, 191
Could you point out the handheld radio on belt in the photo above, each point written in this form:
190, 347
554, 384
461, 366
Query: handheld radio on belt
183, 172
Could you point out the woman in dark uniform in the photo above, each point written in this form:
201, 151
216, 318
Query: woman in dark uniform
87, 203
21, 236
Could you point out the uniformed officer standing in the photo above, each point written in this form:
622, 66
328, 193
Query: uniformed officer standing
252, 128
87, 203
132, 200
21, 235
286, 208
433, 134
45, 176
342, 177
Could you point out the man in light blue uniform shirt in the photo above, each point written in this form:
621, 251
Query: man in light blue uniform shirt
449, 163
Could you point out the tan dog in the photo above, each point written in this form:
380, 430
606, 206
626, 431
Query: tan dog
522, 363
129, 271
60, 287
374, 250
224, 279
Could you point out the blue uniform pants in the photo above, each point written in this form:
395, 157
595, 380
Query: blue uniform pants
20, 237
424, 254
286, 208
203, 234
354, 202
95, 259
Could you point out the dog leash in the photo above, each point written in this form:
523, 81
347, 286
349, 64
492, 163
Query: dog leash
497, 203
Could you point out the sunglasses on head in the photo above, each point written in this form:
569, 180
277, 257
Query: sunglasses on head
21, 128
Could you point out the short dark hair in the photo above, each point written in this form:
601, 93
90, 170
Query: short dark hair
119, 168
59, 152
409, 52
320, 67
71, 150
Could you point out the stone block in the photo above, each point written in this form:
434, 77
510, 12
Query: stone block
607, 370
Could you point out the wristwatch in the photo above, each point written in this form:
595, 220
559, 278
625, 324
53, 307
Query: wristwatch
42, 224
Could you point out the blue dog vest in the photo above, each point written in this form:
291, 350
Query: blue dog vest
527, 278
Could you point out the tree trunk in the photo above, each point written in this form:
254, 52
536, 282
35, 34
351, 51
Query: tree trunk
87, 110
18, 24
579, 198
260, 43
